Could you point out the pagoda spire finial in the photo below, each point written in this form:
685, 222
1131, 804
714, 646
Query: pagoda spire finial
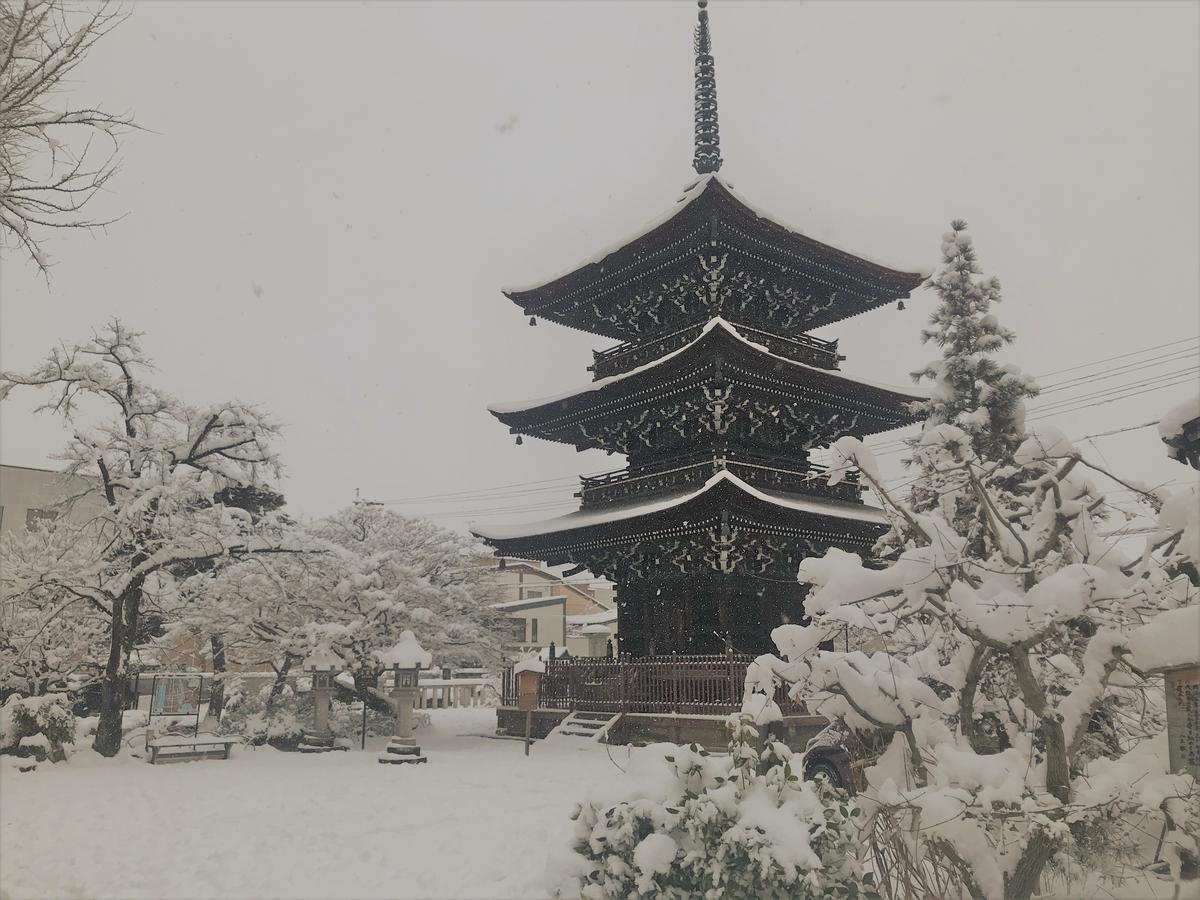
708, 137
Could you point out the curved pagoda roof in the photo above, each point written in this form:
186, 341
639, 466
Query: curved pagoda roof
667, 398
711, 224
725, 503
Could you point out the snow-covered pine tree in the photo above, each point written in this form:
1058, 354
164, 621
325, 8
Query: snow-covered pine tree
973, 397
970, 389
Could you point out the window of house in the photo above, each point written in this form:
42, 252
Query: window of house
533, 594
533, 630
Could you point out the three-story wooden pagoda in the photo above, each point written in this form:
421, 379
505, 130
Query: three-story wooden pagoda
715, 395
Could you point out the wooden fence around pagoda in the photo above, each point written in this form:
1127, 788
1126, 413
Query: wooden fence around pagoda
676, 684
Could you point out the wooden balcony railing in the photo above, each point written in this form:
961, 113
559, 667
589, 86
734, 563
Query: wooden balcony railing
692, 470
686, 685
802, 348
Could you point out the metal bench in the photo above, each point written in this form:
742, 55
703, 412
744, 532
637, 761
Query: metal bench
200, 746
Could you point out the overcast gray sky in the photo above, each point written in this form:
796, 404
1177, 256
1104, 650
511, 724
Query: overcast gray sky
330, 196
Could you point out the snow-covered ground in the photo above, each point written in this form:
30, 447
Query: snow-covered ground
475, 822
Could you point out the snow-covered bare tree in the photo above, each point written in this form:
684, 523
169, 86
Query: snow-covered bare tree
47, 639
159, 466
436, 576
50, 170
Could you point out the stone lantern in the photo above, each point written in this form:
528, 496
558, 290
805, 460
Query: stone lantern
323, 665
405, 660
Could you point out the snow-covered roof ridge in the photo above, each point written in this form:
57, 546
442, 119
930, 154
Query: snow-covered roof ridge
588, 518
924, 271
908, 393
690, 193
1171, 425
695, 189
553, 600
599, 618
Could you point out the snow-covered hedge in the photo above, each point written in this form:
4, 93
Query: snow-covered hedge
686, 824
42, 724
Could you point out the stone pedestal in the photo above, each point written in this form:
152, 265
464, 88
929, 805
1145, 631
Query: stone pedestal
320, 739
403, 748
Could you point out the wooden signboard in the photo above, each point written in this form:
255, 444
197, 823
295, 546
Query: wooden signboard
1183, 719
529, 691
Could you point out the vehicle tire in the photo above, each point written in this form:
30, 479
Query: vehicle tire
822, 765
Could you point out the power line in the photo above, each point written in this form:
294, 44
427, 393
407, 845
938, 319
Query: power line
1119, 356
1120, 370
1115, 388
482, 491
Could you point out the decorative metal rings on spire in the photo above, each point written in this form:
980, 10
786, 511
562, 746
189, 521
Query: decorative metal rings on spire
708, 137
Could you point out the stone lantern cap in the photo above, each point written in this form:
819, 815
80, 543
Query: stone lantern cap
323, 660
1171, 640
406, 654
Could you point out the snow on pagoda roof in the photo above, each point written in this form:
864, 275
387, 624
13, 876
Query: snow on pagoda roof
908, 393
691, 193
588, 518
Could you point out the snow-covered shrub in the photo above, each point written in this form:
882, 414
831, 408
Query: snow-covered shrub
41, 725
281, 726
345, 720
686, 824
291, 714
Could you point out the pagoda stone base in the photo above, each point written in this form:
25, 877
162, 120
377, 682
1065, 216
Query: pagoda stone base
402, 751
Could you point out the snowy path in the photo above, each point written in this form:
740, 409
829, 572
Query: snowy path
473, 823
